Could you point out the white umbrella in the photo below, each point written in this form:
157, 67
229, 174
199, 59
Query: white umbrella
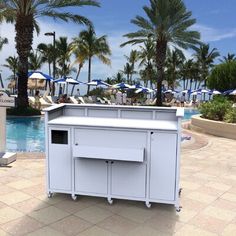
215, 92
97, 82
233, 93
121, 86
144, 90
37, 75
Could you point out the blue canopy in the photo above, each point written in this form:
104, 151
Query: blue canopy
39, 75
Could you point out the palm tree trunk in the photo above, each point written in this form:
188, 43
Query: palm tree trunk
49, 69
161, 47
89, 73
77, 77
24, 39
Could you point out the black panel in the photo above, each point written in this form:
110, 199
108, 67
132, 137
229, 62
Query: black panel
59, 136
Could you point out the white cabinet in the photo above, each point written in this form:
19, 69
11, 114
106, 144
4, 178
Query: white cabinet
60, 162
114, 152
163, 166
91, 176
128, 179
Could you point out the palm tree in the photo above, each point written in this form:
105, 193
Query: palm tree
128, 71
230, 57
168, 21
25, 14
132, 59
173, 64
2, 42
93, 46
47, 51
12, 64
205, 59
35, 61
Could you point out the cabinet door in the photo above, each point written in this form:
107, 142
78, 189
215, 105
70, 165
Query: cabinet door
91, 176
128, 179
163, 166
60, 163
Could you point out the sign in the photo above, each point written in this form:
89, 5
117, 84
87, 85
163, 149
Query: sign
6, 100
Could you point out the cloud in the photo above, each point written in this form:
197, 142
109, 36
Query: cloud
99, 70
209, 34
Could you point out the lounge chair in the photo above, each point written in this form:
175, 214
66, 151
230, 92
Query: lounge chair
44, 104
100, 100
107, 100
74, 100
81, 100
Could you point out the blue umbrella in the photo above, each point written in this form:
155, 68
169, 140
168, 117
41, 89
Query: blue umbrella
121, 86
97, 82
39, 75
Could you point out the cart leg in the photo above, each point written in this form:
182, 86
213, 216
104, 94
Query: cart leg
180, 191
50, 194
110, 201
148, 204
178, 208
74, 197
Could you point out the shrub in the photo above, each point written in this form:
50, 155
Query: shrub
23, 111
98, 92
223, 77
215, 109
230, 116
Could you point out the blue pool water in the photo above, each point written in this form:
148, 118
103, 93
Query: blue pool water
27, 134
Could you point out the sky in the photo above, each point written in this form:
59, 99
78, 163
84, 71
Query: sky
216, 21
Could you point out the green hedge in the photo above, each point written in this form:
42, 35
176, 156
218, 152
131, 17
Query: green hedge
23, 111
219, 109
223, 77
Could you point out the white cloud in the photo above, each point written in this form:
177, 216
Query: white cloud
209, 34
99, 70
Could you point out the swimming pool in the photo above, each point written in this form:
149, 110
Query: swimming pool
27, 134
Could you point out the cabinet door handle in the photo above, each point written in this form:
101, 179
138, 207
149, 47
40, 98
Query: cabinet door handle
76, 144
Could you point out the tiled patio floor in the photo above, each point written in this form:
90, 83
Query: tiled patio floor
208, 178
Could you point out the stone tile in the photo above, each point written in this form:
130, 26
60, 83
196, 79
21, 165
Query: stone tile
188, 230
208, 223
6, 189
48, 215
201, 197
224, 204
35, 190
14, 197
147, 231
164, 223
21, 184
21, 226
2, 205
218, 186
185, 215
46, 231
229, 230
189, 185
96, 231
192, 205
7, 214
30, 205
137, 214
94, 214
3, 233
219, 213
229, 196
118, 225
72, 206
55, 199
71, 225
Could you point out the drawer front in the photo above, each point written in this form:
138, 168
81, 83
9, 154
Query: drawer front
109, 144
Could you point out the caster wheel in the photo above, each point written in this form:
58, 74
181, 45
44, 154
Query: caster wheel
110, 201
180, 191
50, 195
178, 209
74, 197
148, 205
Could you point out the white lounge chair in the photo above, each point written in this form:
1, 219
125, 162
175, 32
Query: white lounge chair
73, 100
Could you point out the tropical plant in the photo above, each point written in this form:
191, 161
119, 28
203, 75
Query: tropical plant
2, 42
25, 14
128, 71
35, 61
205, 59
48, 53
93, 46
216, 109
12, 64
133, 57
147, 56
118, 78
174, 62
230, 57
223, 77
168, 21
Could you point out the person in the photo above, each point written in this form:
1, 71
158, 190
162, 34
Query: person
64, 99
182, 99
37, 103
77, 94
